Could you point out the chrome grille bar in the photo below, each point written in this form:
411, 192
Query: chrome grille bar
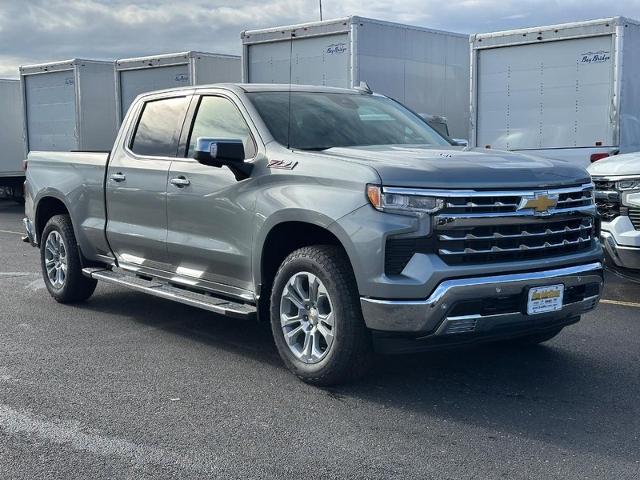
521, 248
524, 233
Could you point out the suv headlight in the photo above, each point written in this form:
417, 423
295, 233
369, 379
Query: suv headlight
629, 192
401, 201
626, 185
631, 199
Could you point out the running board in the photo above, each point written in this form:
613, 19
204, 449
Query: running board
164, 290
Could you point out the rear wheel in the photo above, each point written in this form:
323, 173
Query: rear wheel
316, 319
60, 261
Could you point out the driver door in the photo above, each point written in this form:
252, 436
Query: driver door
209, 212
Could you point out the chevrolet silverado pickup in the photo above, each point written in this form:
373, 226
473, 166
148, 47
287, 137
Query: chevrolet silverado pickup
337, 215
617, 194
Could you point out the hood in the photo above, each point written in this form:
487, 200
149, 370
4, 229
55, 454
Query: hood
628, 164
444, 167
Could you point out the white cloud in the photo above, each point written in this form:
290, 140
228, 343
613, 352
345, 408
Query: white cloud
45, 30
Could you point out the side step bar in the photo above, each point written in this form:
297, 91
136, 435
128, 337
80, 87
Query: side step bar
164, 290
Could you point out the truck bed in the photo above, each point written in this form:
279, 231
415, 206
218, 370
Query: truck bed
77, 179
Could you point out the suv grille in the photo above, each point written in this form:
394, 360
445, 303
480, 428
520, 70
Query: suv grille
489, 227
634, 215
607, 199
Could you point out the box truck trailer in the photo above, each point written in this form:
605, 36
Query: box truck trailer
427, 70
69, 105
12, 152
145, 74
566, 91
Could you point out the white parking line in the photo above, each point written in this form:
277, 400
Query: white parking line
10, 232
618, 302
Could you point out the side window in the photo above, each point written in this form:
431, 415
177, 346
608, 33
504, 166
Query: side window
219, 118
158, 130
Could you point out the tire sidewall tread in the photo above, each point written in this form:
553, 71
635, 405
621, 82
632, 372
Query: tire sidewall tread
351, 351
77, 287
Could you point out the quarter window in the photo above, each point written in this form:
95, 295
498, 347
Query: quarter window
159, 127
219, 118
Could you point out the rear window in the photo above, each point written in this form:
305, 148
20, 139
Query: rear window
158, 130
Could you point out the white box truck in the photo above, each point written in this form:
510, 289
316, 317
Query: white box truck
145, 74
427, 70
69, 105
12, 152
566, 91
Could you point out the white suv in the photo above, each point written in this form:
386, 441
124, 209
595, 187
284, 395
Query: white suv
617, 185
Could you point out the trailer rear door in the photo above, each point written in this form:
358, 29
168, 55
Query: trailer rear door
135, 82
322, 59
51, 111
546, 95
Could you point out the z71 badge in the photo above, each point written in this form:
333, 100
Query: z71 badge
282, 164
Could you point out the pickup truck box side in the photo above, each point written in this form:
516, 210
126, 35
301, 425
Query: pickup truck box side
402, 246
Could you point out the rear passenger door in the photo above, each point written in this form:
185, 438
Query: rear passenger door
210, 213
136, 183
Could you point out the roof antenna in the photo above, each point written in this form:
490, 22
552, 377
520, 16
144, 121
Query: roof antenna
320, 10
364, 88
290, 78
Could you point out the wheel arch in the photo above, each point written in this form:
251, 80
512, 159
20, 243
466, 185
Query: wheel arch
280, 238
48, 206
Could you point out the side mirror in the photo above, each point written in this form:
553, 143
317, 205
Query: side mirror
218, 153
214, 152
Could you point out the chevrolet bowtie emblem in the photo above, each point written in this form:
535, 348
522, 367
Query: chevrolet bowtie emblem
540, 203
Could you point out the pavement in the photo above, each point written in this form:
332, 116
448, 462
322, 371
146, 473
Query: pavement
128, 386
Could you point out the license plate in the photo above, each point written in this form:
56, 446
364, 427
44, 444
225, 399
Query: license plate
545, 299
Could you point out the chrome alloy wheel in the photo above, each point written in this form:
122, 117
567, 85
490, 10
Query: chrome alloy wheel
306, 317
55, 259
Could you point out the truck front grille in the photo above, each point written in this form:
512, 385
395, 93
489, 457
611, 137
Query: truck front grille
506, 203
496, 243
489, 227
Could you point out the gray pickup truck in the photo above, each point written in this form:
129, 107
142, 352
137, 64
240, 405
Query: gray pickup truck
337, 215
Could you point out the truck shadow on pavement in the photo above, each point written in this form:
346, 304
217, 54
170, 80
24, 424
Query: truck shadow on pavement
557, 393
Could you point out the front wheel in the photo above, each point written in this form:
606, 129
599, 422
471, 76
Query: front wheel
60, 261
316, 319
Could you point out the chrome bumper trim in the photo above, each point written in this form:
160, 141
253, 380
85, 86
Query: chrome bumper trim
427, 316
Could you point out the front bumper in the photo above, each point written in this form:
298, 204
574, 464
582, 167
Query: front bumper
621, 243
481, 304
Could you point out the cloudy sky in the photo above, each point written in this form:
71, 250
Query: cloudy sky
33, 31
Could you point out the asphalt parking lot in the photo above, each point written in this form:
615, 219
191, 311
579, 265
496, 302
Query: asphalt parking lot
130, 386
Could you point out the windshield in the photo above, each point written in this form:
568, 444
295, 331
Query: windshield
325, 120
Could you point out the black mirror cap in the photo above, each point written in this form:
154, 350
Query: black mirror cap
218, 152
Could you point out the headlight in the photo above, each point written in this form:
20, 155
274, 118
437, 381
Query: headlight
631, 199
624, 185
402, 202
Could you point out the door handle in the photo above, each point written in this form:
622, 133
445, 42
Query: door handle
180, 182
118, 177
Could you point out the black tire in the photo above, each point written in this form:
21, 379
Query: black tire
351, 353
536, 338
76, 287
